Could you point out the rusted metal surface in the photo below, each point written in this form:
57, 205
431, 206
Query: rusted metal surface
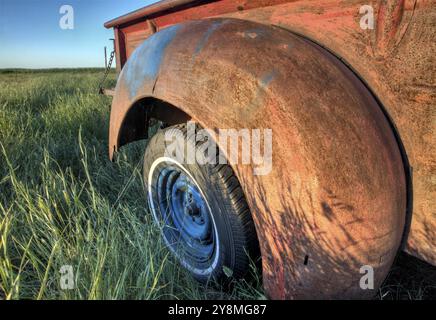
120, 49
396, 60
164, 13
139, 14
336, 197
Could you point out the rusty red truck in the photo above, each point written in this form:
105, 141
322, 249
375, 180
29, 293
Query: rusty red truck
347, 89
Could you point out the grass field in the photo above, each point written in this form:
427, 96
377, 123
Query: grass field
62, 202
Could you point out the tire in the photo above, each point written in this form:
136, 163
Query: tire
200, 210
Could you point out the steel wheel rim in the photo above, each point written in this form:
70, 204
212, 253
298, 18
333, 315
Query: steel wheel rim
183, 215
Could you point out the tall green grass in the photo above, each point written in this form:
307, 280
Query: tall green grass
62, 202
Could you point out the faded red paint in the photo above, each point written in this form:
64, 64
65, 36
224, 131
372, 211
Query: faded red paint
292, 206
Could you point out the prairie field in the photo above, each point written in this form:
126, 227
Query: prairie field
63, 203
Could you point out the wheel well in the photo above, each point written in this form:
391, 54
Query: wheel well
137, 120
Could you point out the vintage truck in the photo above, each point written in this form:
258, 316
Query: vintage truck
348, 90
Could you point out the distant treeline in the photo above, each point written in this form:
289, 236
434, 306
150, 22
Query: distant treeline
53, 70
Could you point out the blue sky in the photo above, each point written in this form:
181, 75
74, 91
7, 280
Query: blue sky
30, 35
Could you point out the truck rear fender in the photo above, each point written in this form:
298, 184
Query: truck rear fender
335, 199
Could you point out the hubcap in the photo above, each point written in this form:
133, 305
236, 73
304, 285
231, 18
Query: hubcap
184, 216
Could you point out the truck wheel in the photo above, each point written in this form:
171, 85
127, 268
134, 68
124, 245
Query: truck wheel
200, 210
